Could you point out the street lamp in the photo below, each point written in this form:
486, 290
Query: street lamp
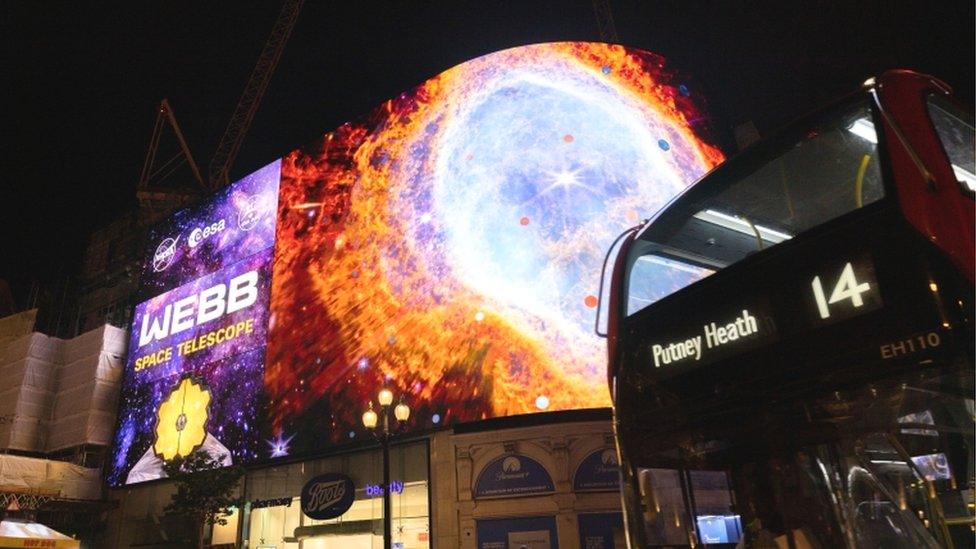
370, 418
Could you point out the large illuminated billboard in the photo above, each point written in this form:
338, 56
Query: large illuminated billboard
208, 272
447, 246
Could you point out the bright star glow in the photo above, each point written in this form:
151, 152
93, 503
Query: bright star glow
564, 180
279, 445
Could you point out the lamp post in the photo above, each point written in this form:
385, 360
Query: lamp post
370, 418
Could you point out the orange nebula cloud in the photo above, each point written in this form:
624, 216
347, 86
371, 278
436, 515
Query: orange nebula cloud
384, 226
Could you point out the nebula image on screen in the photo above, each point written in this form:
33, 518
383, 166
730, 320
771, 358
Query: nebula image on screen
449, 245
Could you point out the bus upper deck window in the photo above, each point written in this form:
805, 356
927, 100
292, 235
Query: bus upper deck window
958, 137
801, 179
654, 276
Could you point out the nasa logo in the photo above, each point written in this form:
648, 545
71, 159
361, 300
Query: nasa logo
199, 235
165, 253
250, 213
511, 465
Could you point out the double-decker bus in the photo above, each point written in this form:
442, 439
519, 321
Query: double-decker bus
791, 339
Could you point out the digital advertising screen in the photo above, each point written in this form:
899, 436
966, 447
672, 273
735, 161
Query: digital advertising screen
196, 348
933, 466
447, 246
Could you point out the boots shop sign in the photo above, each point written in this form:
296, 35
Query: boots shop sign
327, 496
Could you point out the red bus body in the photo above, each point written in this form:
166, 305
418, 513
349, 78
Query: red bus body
816, 389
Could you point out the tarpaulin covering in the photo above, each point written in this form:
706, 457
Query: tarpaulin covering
21, 474
88, 389
15, 533
28, 380
57, 394
16, 325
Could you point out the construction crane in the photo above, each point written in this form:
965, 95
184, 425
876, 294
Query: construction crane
151, 172
230, 143
160, 189
604, 21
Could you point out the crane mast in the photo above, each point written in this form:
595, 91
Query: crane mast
247, 105
165, 115
604, 21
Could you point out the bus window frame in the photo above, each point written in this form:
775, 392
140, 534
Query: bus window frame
743, 165
939, 216
932, 97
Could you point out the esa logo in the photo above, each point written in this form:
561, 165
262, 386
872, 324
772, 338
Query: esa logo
198, 235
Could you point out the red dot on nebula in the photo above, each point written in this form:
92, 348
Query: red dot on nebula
568, 138
524, 221
590, 301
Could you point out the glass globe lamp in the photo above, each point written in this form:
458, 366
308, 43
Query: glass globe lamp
369, 417
385, 397
402, 411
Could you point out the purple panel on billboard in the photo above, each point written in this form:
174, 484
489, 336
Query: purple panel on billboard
211, 318
236, 223
231, 421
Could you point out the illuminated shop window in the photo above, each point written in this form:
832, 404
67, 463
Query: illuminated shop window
226, 533
282, 524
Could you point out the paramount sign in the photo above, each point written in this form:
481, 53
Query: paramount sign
513, 475
599, 471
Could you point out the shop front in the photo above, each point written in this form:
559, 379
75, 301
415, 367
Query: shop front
342, 507
548, 486
549, 482
277, 516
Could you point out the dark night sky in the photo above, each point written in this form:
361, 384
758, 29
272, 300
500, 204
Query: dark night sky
84, 80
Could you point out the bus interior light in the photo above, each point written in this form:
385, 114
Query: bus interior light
671, 264
742, 226
864, 128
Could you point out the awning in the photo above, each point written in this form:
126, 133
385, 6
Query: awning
18, 533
